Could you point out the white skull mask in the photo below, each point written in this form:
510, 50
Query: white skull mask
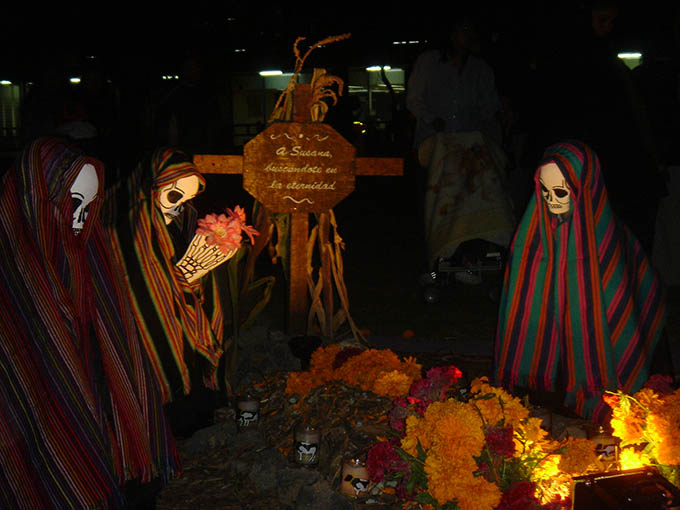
83, 192
554, 189
172, 197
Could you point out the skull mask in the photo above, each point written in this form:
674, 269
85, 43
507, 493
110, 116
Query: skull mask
554, 189
172, 196
83, 192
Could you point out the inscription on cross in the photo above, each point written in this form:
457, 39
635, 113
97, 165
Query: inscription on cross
299, 168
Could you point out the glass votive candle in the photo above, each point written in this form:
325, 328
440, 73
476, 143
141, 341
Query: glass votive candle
247, 412
307, 442
355, 478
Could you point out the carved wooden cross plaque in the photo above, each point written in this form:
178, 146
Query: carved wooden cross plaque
299, 167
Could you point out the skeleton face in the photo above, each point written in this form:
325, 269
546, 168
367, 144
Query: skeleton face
172, 196
554, 189
83, 192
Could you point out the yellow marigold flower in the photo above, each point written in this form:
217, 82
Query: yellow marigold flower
578, 457
630, 459
648, 399
392, 384
482, 495
628, 428
530, 430
449, 477
663, 434
417, 429
551, 483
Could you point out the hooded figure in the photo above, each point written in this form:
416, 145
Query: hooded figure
80, 412
581, 308
179, 318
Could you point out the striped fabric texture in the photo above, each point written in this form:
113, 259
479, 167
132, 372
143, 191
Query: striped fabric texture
581, 308
180, 323
80, 412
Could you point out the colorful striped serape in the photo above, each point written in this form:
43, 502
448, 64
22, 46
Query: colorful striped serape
80, 413
580, 301
180, 323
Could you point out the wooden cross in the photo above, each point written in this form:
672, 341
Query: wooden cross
300, 167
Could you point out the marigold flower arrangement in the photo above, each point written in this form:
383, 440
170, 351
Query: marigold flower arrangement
483, 451
224, 231
377, 370
648, 425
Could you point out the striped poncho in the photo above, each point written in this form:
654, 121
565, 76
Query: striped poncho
80, 412
581, 308
180, 323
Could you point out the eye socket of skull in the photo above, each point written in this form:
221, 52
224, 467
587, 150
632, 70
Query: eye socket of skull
172, 196
175, 196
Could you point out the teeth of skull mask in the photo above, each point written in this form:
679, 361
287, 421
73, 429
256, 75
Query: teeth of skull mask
554, 189
172, 197
83, 192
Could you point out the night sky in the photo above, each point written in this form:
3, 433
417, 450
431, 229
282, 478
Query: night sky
123, 38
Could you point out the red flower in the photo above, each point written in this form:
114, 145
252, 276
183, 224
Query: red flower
449, 375
500, 442
519, 497
344, 355
437, 381
661, 384
611, 400
383, 459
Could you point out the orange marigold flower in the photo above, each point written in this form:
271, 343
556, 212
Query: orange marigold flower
392, 384
323, 358
502, 408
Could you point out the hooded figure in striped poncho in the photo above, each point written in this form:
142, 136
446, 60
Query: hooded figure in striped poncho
80, 411
179, 316
582, 310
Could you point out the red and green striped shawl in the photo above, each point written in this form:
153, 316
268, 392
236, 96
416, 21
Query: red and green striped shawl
80, 413
180, 324
581, 307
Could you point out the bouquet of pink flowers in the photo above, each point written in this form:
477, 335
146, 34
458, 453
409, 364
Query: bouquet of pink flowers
224, 231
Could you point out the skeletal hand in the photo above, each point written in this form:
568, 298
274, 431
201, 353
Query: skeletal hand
201, 258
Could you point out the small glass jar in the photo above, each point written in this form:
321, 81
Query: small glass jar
307, 441
247, 412
606, 447
355, 480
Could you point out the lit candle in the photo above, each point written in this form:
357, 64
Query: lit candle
307, 445
355, 478
247, 412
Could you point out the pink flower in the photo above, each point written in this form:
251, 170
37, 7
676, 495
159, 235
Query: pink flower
225, 231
